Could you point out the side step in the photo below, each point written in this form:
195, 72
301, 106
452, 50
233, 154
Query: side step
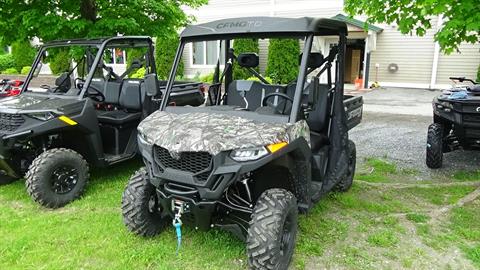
112, 159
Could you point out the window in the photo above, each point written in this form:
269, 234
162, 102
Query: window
114, 56
207, 53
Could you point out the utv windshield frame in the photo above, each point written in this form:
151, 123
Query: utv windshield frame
267, 27
101, 44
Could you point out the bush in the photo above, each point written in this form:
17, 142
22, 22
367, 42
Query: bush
135, 54
208, 78
25, 70
6, 61
60, 62
243, 46
165, 49
253, 78
10, 71
23, 54
139, 74
282, 64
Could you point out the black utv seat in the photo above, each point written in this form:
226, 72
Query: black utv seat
130, 101
317, 120
254, 94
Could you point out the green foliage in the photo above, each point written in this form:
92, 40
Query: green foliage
165, 49
461, 20
253, 78
91, 18
417, 217
25, 70
6, 61
243, 46
139, 74
282, 64
60, 62
478, 74
23, 54
10, 71
207, 78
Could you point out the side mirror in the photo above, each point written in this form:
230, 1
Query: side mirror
151, 85
313, 91
37, 69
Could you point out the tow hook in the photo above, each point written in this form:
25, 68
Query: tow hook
178, 208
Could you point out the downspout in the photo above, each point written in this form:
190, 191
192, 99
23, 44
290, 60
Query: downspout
366, 62
436, 53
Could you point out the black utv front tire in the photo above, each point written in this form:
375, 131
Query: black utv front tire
347, 181
57, 177
434, 155
273, 230
141, 210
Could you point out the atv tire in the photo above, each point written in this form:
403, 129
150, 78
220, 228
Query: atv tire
141, 211
434, 156
57, 177
346, 183
273, 230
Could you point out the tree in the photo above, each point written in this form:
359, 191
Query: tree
165, 49
243, 46
461, 18
50, 20
23, 54
282, 64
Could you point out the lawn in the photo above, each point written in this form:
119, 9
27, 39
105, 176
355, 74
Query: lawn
377, 224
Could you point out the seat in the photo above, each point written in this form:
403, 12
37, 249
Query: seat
254, 94
130, 102
317, 120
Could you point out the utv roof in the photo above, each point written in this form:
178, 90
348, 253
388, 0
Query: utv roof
264, 27
114, 41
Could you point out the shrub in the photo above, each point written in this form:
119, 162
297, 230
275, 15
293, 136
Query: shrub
135, 54
6, 61
60, 62
165, 49
208, 78
243, 46
253, 78
25, 70
10, 71
139, 74
23, 54
282, 64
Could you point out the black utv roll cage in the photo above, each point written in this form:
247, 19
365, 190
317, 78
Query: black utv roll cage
268, 27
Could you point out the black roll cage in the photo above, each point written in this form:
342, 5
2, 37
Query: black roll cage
101, 44
308, 29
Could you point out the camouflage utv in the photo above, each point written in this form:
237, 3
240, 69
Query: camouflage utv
255, 154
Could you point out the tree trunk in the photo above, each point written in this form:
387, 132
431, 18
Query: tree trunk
88, 10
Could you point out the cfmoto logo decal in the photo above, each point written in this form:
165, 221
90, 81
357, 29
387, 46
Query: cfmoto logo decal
239, 24
175, 155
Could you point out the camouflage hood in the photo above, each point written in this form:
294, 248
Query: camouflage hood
215, 133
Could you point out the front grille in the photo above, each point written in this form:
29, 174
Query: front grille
10, 122
471, 118
194, 162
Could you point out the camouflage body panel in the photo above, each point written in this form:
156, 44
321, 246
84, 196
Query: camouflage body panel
26, 102
214, 133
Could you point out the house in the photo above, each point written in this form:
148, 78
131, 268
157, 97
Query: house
380, 54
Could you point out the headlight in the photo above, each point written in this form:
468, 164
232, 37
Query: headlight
44, 116
248, 154
144, 139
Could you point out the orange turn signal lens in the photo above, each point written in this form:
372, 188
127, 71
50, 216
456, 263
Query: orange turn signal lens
276, 146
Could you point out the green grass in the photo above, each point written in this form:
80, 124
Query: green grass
467, 175
357, 229
378, 170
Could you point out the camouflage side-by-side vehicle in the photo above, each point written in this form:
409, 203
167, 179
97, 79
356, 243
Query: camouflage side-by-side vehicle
256, 154
52, 131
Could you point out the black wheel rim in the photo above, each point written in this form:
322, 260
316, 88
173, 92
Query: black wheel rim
64, 179
287, 236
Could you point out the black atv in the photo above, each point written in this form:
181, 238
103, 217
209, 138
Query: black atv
456, 121
56, 128
257, 153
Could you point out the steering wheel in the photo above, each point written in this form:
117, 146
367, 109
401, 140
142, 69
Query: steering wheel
96, 95
276, 108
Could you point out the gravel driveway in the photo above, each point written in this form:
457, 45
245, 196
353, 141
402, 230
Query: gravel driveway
395, 125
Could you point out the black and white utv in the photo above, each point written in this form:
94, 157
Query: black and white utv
88, 115
257, 153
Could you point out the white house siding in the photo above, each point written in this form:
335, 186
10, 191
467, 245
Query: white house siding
413, 55
463, 64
